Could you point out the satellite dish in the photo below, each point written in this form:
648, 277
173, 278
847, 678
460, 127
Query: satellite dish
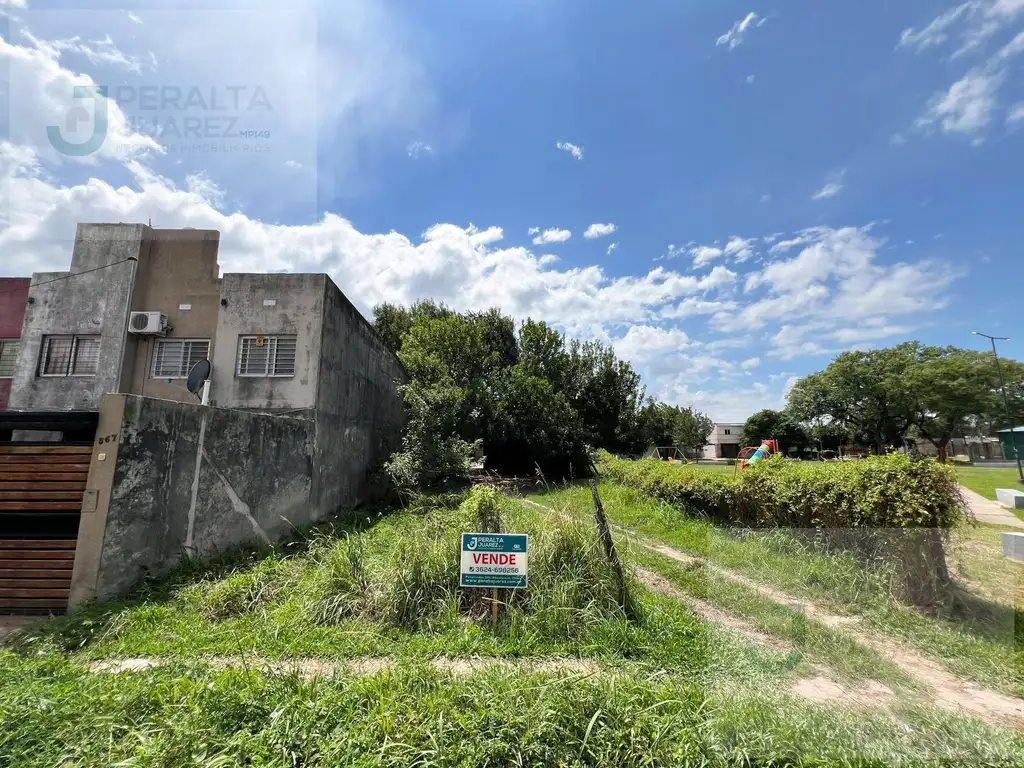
200, 373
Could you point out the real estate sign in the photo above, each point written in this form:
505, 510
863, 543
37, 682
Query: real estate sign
494, 560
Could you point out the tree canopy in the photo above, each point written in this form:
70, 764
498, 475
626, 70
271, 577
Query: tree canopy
691, 431
884, 396
525, 396
776, 425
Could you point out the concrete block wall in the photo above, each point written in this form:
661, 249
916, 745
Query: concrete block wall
256, 304
94, 303
359, 409
177, 479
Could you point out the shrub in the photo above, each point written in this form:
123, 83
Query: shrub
891, 510
572, 585
340, 584
244, 591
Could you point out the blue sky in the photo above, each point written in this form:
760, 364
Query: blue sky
781, 180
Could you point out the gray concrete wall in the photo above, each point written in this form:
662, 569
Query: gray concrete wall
194, 479
178, 275
268, 305
359, 409
93, 303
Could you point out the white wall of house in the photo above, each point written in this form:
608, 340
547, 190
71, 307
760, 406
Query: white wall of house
725, 440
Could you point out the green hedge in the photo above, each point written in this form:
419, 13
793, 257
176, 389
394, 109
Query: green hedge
892, 510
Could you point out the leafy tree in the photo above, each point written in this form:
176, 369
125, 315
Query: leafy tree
656, 425
880, 396
829, 436
865, 393
692, 429
776, 425
955, 389
525, 397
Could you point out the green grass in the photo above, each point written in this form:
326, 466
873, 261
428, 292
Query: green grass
714, 469
56, 714
985, 480
663, 688
979, 640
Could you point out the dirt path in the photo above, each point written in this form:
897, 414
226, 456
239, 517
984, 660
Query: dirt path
988, 511
946, 690
821, 688
367, 665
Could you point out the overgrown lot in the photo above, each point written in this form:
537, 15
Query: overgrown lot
980, 638
357, 647
890, 510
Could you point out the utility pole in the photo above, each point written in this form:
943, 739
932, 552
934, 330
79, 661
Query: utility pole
1006, 401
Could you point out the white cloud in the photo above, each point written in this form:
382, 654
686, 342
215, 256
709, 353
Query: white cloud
533, 231
737, 34
418, 149
693, 307
804, 236
831, 189
457, 265
595, 231
611, 248
750, 363
737, 249
740, 249
750, 80
723, 405
133, 17
836, 281
871, 333
717, 277
103, 51
469, 267
705, 254
1016, 114
552, 236
572, 149
39, 89
645, 343
968, 104
833, 185
937, 30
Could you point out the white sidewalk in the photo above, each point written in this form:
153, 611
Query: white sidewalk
988, 511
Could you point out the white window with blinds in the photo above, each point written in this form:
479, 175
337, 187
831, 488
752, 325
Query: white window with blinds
69, 356
174, 358
266, 356
8, 357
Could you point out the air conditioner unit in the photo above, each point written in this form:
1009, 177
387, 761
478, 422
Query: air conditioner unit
148, 323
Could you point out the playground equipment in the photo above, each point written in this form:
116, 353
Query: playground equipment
750, 455
668, 453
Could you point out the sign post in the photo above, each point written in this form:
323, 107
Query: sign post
495, 560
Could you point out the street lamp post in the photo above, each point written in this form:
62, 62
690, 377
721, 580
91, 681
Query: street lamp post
1006, 401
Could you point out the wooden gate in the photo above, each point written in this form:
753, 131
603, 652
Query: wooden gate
41, 490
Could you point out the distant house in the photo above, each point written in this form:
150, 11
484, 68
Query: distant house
977, 448
1009, 438
724, 442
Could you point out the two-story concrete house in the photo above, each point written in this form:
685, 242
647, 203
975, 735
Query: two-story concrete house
302, 403
724, 442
